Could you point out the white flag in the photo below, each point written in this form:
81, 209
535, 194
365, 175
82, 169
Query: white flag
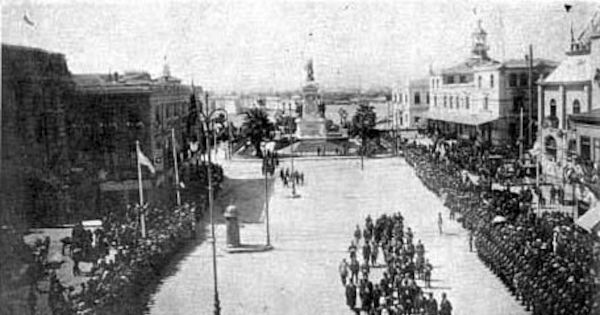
143, 160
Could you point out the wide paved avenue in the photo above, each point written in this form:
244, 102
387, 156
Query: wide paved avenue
311, 235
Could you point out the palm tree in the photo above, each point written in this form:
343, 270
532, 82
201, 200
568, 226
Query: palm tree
363, 126
257, 127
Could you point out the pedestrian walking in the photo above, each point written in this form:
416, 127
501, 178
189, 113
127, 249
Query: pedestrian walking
374, 253
354, 269
445, 306
366, 251
351, 295
440, 222
343, 269
428, 268
431, 305
357, 235
470, 240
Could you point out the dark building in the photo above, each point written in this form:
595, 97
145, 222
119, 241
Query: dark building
107, 114
34, 165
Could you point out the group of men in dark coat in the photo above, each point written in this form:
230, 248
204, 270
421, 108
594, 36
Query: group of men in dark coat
544, 259
397, 292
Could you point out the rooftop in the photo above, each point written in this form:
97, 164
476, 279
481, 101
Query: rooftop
575, 68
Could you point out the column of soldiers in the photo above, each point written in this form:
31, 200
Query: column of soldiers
544, 260
397, 292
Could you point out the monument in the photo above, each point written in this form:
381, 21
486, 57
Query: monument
312, 124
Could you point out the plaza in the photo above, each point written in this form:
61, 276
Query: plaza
311, 235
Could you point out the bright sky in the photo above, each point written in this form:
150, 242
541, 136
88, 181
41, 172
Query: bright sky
249, 45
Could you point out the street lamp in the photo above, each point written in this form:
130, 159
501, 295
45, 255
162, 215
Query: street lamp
294, 194
207, 120
268, 168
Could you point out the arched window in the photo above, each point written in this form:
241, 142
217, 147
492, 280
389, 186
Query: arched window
552, 108
450, 100
417, 98
491, 80
427, 98
435, 100
485, 102
444, 100
467, 102
479, 82
576, 107
550, 146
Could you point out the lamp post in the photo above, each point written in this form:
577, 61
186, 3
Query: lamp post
294, 195
207, 120
268, 169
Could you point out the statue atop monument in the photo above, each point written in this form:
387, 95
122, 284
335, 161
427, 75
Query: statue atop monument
310, 75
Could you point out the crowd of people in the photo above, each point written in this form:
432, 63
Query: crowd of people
545, 260
404, 262
114, 283
288, 178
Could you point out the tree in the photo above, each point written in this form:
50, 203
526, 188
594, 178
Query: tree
256, 127
363, 126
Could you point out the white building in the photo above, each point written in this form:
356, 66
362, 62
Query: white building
481, 98
409, 101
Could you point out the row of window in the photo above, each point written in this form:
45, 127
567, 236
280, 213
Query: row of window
576, 106
455, 101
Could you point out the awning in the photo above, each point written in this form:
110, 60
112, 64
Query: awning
590, 220
465, 119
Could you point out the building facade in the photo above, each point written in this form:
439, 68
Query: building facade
110, 113
409, 102
34, 167
483, 99
569, 100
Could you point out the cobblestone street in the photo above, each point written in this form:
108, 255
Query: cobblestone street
311, 235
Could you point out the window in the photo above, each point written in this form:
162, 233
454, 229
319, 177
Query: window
491, 80
444, 100
523, 79
550, 146
512, 80
457, 103
485, 103
585, 148
463, 79
450, 99
552, 108
467, 102
450, 79
417, 98
576, 107
479, 82
427, 98
435, 100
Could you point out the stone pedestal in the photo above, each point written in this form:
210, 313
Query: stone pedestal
311, 125
233, 227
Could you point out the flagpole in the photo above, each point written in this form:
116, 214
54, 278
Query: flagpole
176, 168
141, 189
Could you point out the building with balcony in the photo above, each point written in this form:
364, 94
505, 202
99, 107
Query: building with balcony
482, 99
409, 101
569, 100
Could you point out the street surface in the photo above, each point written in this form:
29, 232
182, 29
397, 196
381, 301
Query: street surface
311, 235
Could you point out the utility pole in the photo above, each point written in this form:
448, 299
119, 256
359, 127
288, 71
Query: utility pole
521, 140
530, 96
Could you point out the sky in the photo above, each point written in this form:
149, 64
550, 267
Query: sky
264, 45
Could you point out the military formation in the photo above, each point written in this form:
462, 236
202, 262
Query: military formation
544, 259
403, 261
